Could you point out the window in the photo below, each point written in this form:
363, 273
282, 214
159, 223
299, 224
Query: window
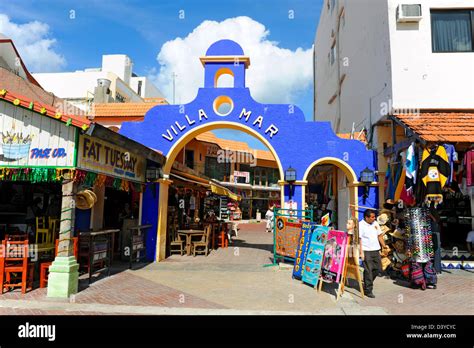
215, 170
189, 159
452, 31
139, 90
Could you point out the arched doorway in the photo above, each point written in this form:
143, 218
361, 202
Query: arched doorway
171, 157
332, 186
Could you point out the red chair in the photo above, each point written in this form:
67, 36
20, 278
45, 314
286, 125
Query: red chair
14, 265
222, 240
44, 267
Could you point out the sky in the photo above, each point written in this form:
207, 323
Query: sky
163, 37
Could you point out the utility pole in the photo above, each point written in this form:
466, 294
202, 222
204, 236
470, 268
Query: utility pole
174, 86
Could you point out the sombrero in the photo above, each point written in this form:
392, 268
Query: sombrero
85, 199
398, 234
382, 219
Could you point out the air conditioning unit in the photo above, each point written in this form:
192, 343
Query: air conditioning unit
409, 13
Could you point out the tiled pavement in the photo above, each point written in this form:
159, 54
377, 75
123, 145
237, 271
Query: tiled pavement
234, 279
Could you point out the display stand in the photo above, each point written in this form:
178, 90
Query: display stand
351, 269
137, 243
291, 213
343, 279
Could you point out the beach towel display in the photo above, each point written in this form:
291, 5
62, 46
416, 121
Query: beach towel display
434, 172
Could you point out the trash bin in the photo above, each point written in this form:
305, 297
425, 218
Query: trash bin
259, 216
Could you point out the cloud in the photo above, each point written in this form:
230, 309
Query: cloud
34, 44
275, 75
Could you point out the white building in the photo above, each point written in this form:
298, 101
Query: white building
374, 56
80, 87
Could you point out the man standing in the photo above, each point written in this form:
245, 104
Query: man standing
371, 237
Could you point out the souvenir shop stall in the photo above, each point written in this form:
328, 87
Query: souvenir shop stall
428, 191
321, 195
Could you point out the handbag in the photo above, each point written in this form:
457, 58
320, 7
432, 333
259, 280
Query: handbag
430, 274
417, 275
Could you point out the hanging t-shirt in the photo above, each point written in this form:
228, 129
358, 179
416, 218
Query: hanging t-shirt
450, 151
469, 164
192, 203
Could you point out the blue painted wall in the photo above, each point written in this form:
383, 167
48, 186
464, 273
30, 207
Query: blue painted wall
83, 220
150, 217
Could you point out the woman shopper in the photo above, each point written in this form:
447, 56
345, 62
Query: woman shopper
269, 216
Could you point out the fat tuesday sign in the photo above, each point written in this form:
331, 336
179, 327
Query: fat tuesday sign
102, 157
180, 126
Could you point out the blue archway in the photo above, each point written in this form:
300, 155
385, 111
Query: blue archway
294, 141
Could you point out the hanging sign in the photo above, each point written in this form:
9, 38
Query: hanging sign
287, 233
29, 139
301, 251
245, 175
105, 158
334, 256
312, 266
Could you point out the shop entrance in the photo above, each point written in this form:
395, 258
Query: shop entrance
121, 209
330, 192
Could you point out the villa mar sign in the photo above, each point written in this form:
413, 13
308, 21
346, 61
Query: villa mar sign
181, 126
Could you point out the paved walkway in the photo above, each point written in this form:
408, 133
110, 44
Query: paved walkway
234, 281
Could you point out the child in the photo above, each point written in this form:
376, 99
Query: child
269, 216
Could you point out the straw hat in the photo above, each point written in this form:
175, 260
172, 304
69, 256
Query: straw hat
85, 199
398, 234
383, 218
384, 229
385, 263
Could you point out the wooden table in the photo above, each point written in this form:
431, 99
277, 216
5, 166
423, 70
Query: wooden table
189, 234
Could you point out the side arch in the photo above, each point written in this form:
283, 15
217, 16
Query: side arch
350, 174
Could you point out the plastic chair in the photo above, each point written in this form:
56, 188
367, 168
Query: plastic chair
44, 267
222, 239
14, 262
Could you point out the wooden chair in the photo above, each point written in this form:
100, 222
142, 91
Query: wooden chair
44, 267
176, 241
53, 225
14, 265
204, 242
43, 233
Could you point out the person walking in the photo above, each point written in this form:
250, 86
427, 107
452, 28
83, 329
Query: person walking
269, 216
371, 237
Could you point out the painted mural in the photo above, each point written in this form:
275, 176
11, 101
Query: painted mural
28, 139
